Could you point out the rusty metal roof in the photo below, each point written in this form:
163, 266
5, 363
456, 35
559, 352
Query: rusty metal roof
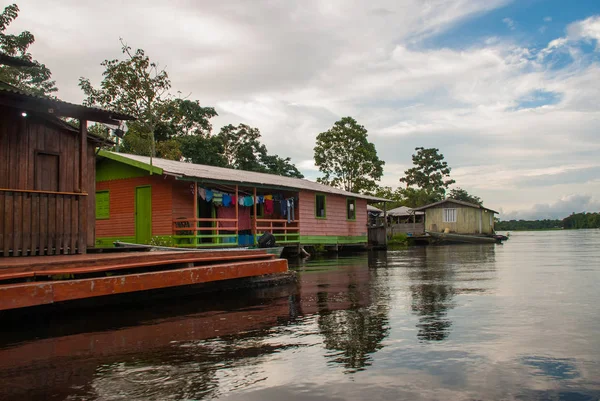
228, 175
15, 97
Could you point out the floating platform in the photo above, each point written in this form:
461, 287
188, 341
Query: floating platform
44, 280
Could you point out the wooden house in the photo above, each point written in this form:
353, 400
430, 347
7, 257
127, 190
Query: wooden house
458, 217
47, 174
190, 205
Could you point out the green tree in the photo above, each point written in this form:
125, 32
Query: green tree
415, 197
38, 79
346, 158
241, 147
281, 166
430, 174
462, 195
134, 86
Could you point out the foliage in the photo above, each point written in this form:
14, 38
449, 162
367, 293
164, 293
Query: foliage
574, 221
158, 240
347, 159
582, 220
175, 128
36, 79
416, 197
274, 164
398, 239
524, 225
462, 195
135, 86
430, 174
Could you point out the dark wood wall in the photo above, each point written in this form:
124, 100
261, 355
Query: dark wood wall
40, 196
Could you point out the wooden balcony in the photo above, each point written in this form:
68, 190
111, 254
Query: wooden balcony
42, 222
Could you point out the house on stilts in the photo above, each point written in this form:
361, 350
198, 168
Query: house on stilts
140, 200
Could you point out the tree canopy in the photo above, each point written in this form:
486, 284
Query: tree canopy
173, 127
462, 195
346, 158
38, 79
429, 179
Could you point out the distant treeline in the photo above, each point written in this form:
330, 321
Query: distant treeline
574, 221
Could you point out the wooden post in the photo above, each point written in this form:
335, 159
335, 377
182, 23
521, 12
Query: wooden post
82, 202
195, 214
237, 214
385, 223
254, 234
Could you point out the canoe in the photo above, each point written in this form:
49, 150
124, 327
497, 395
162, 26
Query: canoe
277, 251
463, 238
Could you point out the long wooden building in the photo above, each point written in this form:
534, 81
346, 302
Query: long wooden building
192, 205
47, 174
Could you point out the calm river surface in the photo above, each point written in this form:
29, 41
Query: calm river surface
519, 321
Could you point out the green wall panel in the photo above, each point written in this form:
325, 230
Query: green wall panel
108, 170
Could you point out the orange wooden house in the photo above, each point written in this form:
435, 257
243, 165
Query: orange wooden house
190, 205
47, 174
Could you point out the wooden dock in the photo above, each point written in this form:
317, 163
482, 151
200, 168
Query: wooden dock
33, 281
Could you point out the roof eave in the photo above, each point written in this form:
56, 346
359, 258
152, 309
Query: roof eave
130, 162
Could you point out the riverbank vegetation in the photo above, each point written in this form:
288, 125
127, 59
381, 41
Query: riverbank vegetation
574, 221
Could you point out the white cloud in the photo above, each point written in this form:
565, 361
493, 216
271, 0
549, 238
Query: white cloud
510, 23
293, 69
558, 209
547, 19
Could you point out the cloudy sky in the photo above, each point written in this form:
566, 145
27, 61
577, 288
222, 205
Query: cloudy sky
507, 90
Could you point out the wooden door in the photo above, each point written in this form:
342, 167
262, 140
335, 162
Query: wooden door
143, 215
46, 171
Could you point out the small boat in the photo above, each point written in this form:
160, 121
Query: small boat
463, 238
277, 250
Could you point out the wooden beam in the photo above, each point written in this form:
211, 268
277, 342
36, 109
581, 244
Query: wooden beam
195, 213
385, 222
254, 233
82, 204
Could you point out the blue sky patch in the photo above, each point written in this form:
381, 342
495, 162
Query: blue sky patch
538, 98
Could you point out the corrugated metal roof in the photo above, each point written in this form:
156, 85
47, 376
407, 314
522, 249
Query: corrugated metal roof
201, 171
403, 211
458, 202
60, 104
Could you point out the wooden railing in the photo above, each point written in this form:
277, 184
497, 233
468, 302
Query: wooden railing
284, 232
42, 222
191, 233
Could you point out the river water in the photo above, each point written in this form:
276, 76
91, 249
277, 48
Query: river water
519, 321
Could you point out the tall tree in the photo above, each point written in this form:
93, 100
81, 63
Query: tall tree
38, 79
346, 158
241, 147
281, 166
430, 174
135, 86
462, 195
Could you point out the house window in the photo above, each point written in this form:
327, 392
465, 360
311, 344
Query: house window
320, 207
102, 205
351, 209
449, 215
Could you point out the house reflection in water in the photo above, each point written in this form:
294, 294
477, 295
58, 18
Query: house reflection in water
434, 276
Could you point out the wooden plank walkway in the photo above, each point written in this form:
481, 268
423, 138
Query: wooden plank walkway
167, 269
22, 295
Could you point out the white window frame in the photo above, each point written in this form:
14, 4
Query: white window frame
449, 215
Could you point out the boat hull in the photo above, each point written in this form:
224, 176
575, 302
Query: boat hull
462, 238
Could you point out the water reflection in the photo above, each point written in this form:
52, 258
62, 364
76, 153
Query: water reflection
356, 331
433, 275
463, 323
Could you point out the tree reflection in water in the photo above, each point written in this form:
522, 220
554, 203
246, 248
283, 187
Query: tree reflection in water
433, 276
354, 320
